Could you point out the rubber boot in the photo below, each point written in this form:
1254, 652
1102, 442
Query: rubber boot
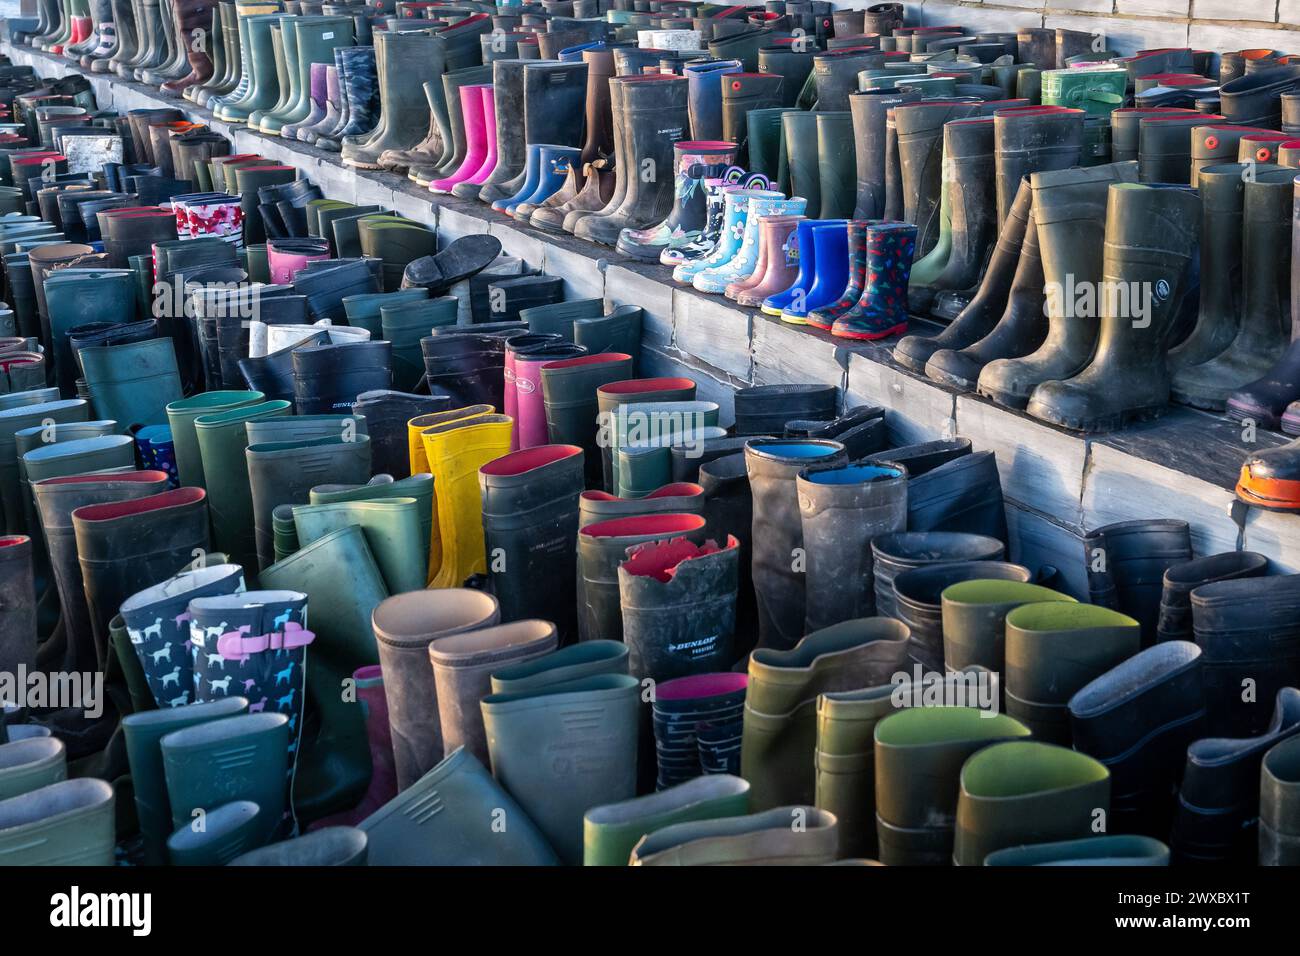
734, 222
467, 367
1127, 562
917, 601
221, 53
387, 413
780, 717
845, 761
743, 93
520, 722
773, 467
1278, 795
1254, 99
919, 757
646, 101
588, 659
181, 415
480, 159
1175, 620
1029, 140
841, 510
570, 388
359, 92
827, 267
1040, 680
453, 136
189, 16
973, 620
882, 309
920, 135
404, 112
27, 765
1215, 820
1022, 792
756, 840
284, 43
157, 622
69, 823
611, 831
1138, 719
1069, 209
653, 390
504, 151
461, 833
1138, 256
704, 96
229, 831
678, 497
259, 67
800, 143
716, 278
552, 97
18, 592
462, 665
1117, 850
867, 108
693, 161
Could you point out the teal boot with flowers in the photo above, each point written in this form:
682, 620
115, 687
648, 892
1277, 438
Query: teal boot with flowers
882, 310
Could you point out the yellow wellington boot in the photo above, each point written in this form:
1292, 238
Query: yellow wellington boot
456, 451
420, 463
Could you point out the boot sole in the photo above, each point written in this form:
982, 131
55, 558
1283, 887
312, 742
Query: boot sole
1005, 399
1108, 423
872, 336
943, 378
1199, 401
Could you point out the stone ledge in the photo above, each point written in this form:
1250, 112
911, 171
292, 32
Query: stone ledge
1057, 483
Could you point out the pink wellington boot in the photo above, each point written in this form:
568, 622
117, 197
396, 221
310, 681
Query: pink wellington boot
478, 106
383, 777
530, 417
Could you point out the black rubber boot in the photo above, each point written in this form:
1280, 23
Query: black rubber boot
835, 75
773, 465
387, 413
1138, 720
1261, 338
468, 367
920, 152
553, 98
461, 259
918, 601
1126, 565
405, 62
741, 93
765, 409
1216, 818
793, 65
964, 494
1223, 191
1151, 236
1069, 214
1255, 99
654, 117
530, 530
835, 164
1165, 147
1030, 139
981, 315
328, 378
272, 374
868, 110
1175, 622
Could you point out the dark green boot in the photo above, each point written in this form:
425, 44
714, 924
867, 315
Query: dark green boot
181, 415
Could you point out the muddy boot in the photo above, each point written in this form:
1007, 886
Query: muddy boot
694, 162
1031, 139
868, 110
1151, 235
1069, 214
192, 15
404, 112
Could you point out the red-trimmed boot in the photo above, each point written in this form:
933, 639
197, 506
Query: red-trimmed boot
882, 310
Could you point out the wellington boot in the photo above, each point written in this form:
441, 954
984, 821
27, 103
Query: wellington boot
759, 839
201, 776
611, 831
918, 601
462, 667
1241, 637
773, 466
1069, 208
1022, 792
845, 761
229, 830
1139, 253
222, 438
69, 823
920, 150
157, 622
643, 434
1088, 851
501, 148
181, 415
404, 112
1216, 818
835, 160
919, 757
284, 472
521, 723
18, 614
28, 410
316, 40
694, 161
743, 94
359, 92
27, 765
328, 378
588, 659
974, 619
1052, 650
393, 533
867, 108
1279, 798
1261, 338
777, 266
653, 117
1029, 140
456, 450
704, 96
383, 777
259, 68
1175, 619
835, 75
405, 626
387, 413
468, 367
339, 577
190, 16
780, 716
1127, 562
676, 498
894, 553
132, 384
461, 833
530, 515
128, 545
842, 509
1255, 99
570, 388
553, 94
1138, 719
602, 547
1165, 146
635, 391
56, 499
450, 123
800, 143
677, 595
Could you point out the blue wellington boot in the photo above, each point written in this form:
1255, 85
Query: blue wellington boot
829, 272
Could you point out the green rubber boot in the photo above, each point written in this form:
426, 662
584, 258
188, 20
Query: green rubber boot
1052, 650
610, 397
417, 486
404, 324
284, 44
20, 416
260, 69
799, 135
476, 823
227, 831
132, 384
845, 762
343, 585
782, 836
392, 531
27, 765
974, 616
222, 440
365, 311
329, 846
524, 723
611, 831
1022, 792
919, 756
619, 331
315, 40
69, 823
570, 387
181, 416
588, 659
